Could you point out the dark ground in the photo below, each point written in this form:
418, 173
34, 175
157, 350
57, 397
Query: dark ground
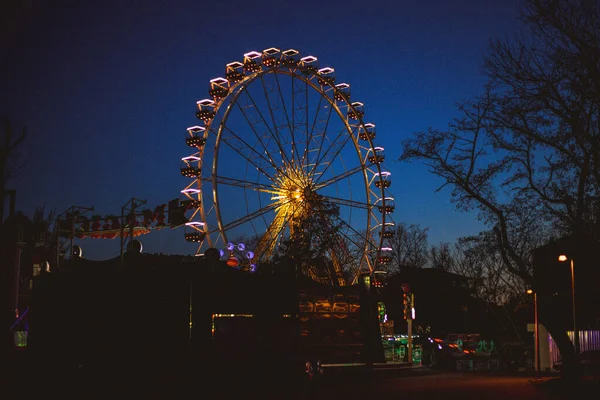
23, 379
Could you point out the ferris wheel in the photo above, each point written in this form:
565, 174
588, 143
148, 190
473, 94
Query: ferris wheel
277, 137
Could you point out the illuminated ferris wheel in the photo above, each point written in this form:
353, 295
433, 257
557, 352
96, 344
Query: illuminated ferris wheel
276, 133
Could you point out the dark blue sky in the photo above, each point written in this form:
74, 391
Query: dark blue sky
107, 88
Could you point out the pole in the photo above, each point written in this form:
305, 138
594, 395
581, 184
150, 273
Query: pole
575, 332
409, 344
135, 203
366, 278
369, 326
122, 231
57, 229
132, 222
72, 211
537, 336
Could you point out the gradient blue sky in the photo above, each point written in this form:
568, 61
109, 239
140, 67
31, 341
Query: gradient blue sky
107, 88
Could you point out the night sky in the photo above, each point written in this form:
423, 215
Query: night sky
106, 90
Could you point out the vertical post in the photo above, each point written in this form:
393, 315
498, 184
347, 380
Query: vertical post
72, 242
122, 231
132, 222
57, 229
537, 336
369, 316
409, 344
575, 332
134, 205
73, 210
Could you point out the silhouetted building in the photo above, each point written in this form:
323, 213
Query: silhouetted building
152, 312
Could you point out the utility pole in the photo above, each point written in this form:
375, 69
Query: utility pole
409, 321
133, 204
537, 335
408, 302
71, 213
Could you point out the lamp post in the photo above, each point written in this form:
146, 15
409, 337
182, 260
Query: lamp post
536, 332
563, 258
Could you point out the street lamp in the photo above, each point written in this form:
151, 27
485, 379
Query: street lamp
536, 332
563, 258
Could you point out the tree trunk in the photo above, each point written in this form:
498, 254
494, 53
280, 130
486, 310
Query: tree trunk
563, 342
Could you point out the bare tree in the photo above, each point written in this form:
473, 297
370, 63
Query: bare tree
528, 149
479, 259
441, 257
409, 247
8, 160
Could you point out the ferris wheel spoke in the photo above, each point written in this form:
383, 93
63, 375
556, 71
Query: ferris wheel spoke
274, 133
340, 177
364, 237
269, 158
304, 158
309, 132
246, 157
259, 187
318, 157
273, 235
247, 218
316, 133
295, 153
285, 111
349, 203
327, 163
343, 257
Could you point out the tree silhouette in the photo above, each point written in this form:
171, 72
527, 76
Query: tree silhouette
526, 153
409, 247
8, 160
314, 236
